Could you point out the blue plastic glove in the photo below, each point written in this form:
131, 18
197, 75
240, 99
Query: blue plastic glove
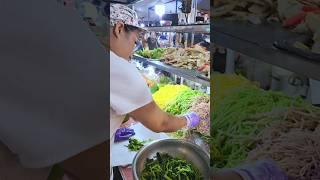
261, 170
123, 134
193, 120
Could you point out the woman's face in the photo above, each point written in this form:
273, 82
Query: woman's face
123, 40
132, 39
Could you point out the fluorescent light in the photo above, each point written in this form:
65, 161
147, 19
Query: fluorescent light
160, 9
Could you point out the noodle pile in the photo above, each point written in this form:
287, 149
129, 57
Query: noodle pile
201, 106
293, 142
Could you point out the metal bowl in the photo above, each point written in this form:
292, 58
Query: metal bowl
174, 147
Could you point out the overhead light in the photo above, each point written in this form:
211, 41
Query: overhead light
160, 9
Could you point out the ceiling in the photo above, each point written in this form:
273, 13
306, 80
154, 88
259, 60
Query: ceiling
123, 1
142, 6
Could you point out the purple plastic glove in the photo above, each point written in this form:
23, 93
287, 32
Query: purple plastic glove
123, 134
193, 120
261, 170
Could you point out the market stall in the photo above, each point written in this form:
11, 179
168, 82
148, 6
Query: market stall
176, 66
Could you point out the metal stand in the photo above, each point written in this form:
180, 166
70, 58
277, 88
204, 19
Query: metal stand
181, 80
185, 40
192, 39
230, 62
208, 90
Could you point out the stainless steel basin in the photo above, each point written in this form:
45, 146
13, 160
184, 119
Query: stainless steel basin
174, 147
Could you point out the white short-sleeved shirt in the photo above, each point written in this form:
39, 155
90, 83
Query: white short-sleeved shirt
128, 91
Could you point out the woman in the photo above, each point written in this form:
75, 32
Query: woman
153, 41
129, 94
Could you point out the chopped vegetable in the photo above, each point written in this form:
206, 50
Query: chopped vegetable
223, 84
180, 134
191, 101
166, 167
152, 54
164, 80
135, 144
182, 102
168, 93
154, 88
234, 121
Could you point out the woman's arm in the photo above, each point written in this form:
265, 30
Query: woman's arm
157, 120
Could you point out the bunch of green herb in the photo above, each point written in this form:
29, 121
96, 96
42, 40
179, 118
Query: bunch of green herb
165, 80
183, 102
152, 54
179, 134
135, 144
154, 88
166, 167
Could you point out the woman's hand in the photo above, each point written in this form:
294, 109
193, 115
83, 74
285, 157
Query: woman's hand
123, 134
193, 120
261, 170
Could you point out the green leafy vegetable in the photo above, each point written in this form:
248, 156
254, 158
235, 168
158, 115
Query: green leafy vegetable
154, 88
183, 102
166, 167
164, 80
179, 134
168, 93
152, 54
135, 144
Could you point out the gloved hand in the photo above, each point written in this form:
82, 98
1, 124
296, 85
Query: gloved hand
123, 134
193, 120
261, 170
